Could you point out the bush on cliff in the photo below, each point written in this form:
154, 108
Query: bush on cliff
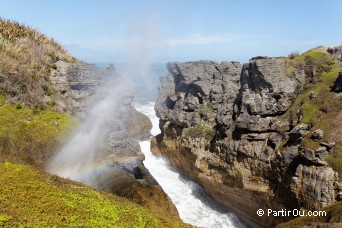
199, 132
313, 63
30, 127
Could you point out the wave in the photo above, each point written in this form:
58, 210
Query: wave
193, 204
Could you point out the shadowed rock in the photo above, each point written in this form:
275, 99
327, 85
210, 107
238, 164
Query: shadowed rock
337, 87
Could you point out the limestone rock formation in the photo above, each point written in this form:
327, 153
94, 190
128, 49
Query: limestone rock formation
336, 51
224, 125
76, 87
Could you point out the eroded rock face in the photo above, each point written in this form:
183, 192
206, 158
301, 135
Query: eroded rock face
199, 93
75, 85
336, 51
118, 153
222, 126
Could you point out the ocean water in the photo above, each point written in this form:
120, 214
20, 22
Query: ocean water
193, 204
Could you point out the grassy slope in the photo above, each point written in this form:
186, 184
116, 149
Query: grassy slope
33, 198
324, 112
30, 129
30, 135
26, 59
334, 215
29, 126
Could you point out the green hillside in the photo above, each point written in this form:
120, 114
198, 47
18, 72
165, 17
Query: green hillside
30, 126
32, 198
325, 111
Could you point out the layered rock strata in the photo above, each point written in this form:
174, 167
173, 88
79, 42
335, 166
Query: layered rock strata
223, 125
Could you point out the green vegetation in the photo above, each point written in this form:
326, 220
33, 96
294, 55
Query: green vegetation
31, 134
30, 129
206, 109
2, 100
26, 59
313, 63
52, 102
32, 198
199, 131
293, 55
47, 90
323, 112
334, 215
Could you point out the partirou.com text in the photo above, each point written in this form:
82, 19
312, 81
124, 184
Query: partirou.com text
294, 212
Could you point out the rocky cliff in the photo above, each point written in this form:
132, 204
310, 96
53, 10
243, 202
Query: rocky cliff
250, 134
79, 86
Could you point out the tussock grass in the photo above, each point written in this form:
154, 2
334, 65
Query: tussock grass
26, 59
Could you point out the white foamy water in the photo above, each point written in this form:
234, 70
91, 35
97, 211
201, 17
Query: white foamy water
193, 205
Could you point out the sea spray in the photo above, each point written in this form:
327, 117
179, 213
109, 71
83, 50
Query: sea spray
77, 158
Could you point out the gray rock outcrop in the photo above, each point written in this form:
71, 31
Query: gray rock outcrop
75, 85
223, 125
336, 51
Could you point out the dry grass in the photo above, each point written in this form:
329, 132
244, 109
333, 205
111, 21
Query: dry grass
26, 59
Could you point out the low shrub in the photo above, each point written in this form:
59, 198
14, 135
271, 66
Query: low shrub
199, 132
293, 55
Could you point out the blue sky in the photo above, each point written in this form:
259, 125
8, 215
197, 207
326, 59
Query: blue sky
175, 30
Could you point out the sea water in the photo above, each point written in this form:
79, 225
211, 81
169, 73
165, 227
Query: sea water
193, 204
